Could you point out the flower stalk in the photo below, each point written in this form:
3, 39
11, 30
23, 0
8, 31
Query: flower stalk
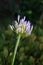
15, 50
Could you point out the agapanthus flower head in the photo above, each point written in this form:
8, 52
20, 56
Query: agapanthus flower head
22, 26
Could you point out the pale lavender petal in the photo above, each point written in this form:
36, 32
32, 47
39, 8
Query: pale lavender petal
28, 23
18, 18
16, 23
27, 28
28, 32
22, 21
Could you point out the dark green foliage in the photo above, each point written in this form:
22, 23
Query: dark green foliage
30, 51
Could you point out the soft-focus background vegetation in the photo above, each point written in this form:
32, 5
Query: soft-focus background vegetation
30, 51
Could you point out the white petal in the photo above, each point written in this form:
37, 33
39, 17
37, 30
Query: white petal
18, 18
12, 27
24, 18
31, 28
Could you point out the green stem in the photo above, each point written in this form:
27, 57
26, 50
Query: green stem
15, 50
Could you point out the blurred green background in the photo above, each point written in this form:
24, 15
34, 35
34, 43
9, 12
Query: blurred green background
30, 51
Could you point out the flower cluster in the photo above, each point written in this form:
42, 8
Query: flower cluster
22, 26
